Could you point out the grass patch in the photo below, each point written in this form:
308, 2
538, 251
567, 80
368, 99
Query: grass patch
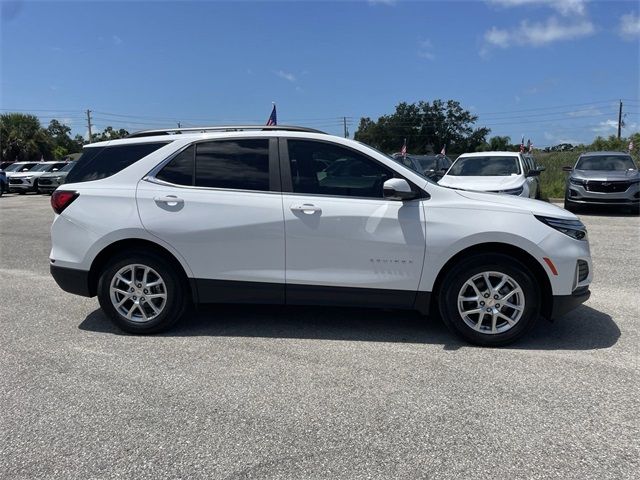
553, 179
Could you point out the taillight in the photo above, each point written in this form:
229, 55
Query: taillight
61, 199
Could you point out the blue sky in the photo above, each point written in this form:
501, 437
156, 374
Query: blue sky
552, 70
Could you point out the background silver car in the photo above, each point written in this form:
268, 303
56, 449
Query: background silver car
603, 178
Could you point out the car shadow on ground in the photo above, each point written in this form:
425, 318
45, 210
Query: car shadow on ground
604, 211
582, 329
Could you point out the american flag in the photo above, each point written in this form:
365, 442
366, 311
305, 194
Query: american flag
403, 151
444, 150
273, 118
529, 145
522, 145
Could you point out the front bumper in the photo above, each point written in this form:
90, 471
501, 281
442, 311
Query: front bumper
579, 194
72, 280
563, 304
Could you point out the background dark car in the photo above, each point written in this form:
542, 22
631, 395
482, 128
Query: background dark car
3, 182
430, 166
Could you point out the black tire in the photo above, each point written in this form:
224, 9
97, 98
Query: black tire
467, 269
176, 291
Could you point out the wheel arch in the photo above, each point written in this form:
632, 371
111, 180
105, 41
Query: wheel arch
541, 277
102, 258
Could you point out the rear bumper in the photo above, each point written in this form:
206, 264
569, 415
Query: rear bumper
72, 280
563, 304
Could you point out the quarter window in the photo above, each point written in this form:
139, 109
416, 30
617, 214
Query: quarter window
235, 164
326, 169
179, 170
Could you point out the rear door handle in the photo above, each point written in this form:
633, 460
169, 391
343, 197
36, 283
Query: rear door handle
170, 200
307, 208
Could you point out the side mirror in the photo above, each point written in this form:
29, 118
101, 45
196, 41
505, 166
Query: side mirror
567, 168
540, 168
398, 189
533, 173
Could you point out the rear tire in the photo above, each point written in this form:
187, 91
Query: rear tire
142, 292
493, 314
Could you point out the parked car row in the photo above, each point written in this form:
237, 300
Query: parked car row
37, 177
511, 173
598, 178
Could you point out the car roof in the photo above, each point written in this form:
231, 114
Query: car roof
595, 154
496, 153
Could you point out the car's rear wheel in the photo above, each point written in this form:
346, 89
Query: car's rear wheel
490, 299
142, 293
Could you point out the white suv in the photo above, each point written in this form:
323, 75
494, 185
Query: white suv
496, 172
288, 215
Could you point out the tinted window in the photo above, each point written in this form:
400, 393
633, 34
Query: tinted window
427, 163
19, 167
67, 167
485, 166
323, 168
102, 162
237, 164
179, 170
605, 162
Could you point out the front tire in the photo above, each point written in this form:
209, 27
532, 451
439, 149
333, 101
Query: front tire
142, 293
490, 299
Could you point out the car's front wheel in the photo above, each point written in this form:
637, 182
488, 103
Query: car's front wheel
142, 293
490, 299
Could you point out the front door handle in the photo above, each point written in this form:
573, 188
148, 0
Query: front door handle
170, 200
306, 208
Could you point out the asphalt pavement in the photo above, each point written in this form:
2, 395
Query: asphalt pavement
243, 392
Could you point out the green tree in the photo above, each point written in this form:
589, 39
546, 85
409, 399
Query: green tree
109, 133
23, 139
63, 144
427, 127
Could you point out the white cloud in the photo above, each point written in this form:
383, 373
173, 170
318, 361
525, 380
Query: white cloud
117, 40
537, 34
286, 75
564, 7
609, 127
585, 112
629, 25
425, 50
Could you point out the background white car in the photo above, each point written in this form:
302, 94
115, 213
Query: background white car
494, 172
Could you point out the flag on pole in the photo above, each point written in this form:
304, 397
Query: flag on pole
630, 145
403, 151
522, 145
529, 145
273, 118
444, 150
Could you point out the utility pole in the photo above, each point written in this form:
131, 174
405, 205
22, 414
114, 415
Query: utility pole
620, 120
89, 125
346, 132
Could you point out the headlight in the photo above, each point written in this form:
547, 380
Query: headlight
575, 181
510, 191
573, 228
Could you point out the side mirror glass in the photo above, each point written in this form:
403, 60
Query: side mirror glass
398, 189
540, 168
533, 173
567, 168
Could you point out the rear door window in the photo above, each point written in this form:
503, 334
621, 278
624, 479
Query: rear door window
234, 164
180, 168
102, 162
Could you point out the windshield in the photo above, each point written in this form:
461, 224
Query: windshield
485, 166
18, 167
606, 162
45, 167
67, 167
427, 163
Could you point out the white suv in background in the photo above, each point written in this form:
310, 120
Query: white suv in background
288, 215
495, 172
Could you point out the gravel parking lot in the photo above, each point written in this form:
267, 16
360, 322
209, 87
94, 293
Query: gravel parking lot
273, 392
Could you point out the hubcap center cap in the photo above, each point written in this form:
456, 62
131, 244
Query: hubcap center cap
491, 302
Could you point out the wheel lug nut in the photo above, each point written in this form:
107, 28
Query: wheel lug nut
139, 285
486, 295
482, 304
131, 289
495, 296
142, 299
145, 290
497, 305
488, 309
135, 298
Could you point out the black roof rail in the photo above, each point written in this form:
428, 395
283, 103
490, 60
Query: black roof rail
220, 128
